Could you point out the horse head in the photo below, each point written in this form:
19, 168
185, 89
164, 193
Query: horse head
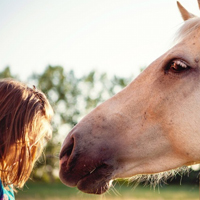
150, 127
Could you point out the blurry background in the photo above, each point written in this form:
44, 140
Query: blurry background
114, 36
80, 53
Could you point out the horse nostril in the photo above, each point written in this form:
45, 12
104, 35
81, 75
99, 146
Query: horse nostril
67, 149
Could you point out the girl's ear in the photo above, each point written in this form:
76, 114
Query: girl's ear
184, 13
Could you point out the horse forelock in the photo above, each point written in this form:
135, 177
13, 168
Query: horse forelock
189, 26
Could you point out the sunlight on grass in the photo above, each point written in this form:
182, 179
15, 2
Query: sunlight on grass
58, 191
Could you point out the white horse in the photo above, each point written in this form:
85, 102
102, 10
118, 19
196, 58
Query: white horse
151, 126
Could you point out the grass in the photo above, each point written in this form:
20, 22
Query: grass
58, 191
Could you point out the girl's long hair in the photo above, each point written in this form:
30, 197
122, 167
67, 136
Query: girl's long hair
25, 116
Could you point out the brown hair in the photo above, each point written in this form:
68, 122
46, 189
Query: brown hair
25, 116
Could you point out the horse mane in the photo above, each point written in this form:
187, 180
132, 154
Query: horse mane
189, 26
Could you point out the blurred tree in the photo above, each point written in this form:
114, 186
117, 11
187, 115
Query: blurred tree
71, 98
62, 91
99, 87
6, 73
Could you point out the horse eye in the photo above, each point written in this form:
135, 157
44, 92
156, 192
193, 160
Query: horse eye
177, 66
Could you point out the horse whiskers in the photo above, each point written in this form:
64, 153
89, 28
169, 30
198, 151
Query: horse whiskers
92, 170
114, 190
159, 178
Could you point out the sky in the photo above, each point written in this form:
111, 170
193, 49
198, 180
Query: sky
114, 36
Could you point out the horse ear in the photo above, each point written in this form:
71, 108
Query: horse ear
199, 3
185, 14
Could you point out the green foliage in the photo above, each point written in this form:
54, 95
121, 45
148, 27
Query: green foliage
62, 91
58, 191
6, 73
71, 98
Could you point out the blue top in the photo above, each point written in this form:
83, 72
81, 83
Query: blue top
6, 194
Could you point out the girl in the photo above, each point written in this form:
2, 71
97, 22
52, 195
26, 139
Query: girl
25, 115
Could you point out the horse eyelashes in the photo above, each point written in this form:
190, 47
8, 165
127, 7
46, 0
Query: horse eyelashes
177, 66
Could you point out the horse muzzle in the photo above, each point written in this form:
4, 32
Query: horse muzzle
83, 167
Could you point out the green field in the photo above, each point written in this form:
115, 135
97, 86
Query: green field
58, 191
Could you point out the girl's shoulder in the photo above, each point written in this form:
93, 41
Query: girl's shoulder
6, 194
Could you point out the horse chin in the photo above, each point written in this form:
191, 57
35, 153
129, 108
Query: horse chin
95, 181
98, 182
88, 187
